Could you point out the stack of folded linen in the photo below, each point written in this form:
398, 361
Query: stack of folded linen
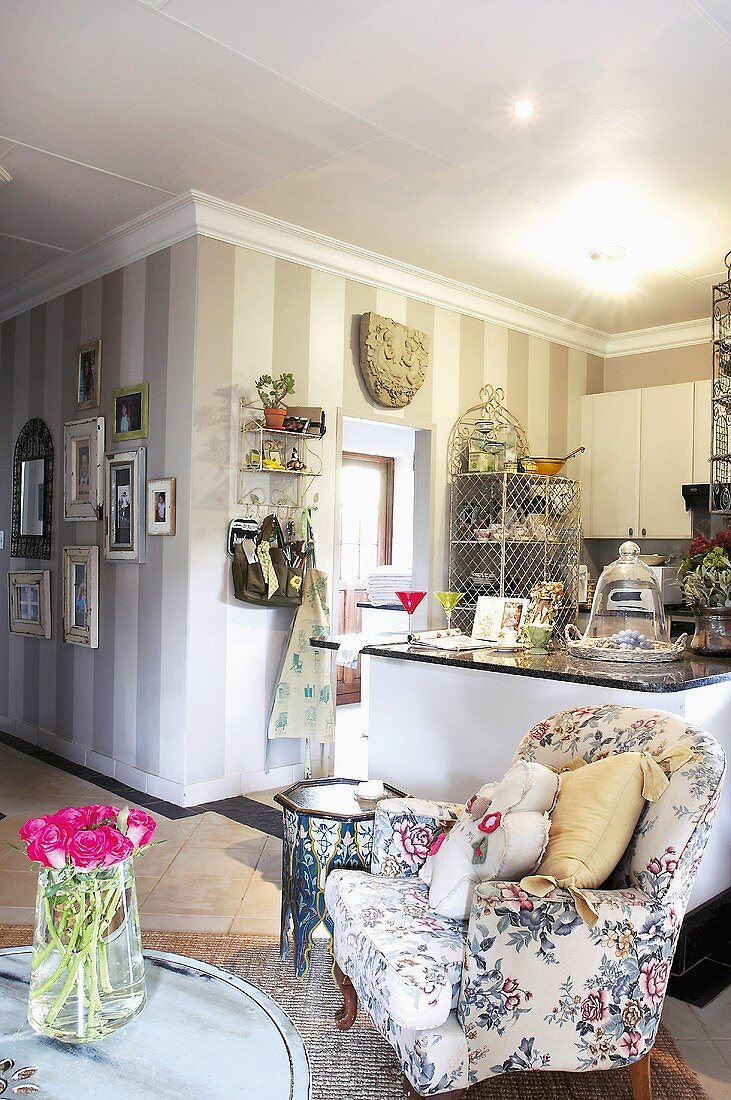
384, 582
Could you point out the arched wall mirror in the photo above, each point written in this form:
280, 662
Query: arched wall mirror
32, 492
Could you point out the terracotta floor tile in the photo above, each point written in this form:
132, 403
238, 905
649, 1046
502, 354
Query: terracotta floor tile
18, 888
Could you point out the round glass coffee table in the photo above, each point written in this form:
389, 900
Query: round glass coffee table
203, 1032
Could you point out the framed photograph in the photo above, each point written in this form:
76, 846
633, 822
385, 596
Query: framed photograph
274, 451
124, 515
299, 424
130, 412
545, 600
83, 484
89, 376
29, 603
496, 613
81, 595
161, 506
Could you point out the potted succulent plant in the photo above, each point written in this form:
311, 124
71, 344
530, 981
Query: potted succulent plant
272, 391
705, 580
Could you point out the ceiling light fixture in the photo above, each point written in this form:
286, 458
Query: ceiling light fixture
5, 176
611, 254
524, 109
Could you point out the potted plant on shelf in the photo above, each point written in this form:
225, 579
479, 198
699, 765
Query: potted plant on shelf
272, 391
705, 581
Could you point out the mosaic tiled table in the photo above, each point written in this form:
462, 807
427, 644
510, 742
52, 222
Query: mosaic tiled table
325, 826
203, 1032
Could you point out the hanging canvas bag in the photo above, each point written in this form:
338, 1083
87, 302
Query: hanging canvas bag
274, 577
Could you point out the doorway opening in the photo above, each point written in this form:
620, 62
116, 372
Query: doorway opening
383, 532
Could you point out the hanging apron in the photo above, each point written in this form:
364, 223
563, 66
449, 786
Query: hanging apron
303, 705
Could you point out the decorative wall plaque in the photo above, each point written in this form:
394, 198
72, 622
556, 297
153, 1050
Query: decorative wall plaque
393, 360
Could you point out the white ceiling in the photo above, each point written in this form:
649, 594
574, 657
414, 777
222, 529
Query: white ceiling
388, 125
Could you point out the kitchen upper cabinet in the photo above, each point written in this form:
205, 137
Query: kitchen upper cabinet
666, 460
641, 447
612, 488
701, 432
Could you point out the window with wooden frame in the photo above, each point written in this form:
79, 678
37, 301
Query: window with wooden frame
366, 514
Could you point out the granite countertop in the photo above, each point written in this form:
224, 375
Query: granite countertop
690, 672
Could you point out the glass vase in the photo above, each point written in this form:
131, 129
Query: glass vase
712, 636
87, 971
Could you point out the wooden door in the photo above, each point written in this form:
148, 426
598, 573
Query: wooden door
666, 461
366, 524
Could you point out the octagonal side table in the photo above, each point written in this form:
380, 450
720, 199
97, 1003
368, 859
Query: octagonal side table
325, 827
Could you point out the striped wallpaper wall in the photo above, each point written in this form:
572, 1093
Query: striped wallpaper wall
120, 707
175, 698
257, 314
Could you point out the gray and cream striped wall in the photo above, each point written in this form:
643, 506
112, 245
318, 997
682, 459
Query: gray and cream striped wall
119, 708
257, 313
175, 699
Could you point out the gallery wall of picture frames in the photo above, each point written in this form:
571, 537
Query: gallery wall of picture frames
98, 486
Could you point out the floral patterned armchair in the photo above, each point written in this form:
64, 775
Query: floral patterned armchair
525, 984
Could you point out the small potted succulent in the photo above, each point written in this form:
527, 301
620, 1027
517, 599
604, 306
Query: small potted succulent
705, 581
272, 392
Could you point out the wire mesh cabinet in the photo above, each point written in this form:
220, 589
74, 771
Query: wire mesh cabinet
721, 396
507, 532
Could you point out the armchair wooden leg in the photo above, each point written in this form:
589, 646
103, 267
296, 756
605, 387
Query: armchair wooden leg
411, 1094
345, 1017
639, 1073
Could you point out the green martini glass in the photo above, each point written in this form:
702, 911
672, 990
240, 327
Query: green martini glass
449, 601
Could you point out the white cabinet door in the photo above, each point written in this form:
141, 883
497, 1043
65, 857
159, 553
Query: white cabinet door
701, 432
666, 460
614, 464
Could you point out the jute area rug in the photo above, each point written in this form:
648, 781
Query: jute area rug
359, 1064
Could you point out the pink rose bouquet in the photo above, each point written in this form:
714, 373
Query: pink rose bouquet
84, 884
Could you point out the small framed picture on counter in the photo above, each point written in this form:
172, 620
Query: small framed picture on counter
498, 613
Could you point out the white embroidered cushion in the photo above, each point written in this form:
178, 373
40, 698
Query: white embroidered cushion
502, 831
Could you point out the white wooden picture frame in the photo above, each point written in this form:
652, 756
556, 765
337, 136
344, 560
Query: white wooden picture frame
29, 603
124, 514
83, 478
81, 595
161, 506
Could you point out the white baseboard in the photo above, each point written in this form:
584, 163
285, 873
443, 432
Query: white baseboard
179, 794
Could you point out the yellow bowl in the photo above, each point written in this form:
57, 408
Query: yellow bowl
549, 467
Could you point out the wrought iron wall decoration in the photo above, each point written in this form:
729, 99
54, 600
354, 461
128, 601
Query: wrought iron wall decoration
393, 360
720, 496
32, 492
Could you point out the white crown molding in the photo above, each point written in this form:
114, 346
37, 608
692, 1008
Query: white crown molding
659, 339
227, 222
195, 213
159, 228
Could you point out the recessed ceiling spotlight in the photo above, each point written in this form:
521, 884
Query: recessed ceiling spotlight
524, 108
610, 254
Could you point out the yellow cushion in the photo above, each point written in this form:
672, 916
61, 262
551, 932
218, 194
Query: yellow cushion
596, 813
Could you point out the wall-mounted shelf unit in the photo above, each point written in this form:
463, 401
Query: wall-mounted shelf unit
263, 470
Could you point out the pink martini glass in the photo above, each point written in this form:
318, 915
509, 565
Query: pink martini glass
410, 601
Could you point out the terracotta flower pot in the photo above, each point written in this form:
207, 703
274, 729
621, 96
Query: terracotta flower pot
712, 632
274, 417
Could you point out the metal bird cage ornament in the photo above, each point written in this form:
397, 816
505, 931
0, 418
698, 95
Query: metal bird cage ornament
489, 418
720, 479
510, 528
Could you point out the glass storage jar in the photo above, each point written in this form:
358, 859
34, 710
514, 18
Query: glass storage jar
627, 605
507, 436
485, 454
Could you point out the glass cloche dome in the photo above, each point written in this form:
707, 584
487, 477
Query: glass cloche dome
627, 605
